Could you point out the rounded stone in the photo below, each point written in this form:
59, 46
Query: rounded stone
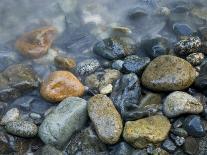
178, 103
22, 128
35, 44
87, 66
60, 85
64, 62
153, 129
61, 123
195, 58
168, 73
105, 117
11, 115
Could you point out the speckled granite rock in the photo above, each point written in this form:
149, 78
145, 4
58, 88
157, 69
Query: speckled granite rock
168, 73
105, 117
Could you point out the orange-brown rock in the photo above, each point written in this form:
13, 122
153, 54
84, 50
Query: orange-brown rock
60, 85
36, 43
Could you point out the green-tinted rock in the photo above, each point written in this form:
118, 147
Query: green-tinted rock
145, 131
106, 119
168, 73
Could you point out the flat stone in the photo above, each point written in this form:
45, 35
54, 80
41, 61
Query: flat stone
22, 128
178, 103
140, 133
61, 123
168, 73
60, 85
106, 119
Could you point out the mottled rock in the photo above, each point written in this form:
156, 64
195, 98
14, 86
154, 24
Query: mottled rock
194, 126
11, 115
60, 85
135, 64
148, 130
167, 73
115, 47
106, 89
61, 123
195, 58
178, 103
118, 64
191, 146
35, 44
22, 128
16, 80
126, 95
180, 132
106, 120
86, 142
64, 62
179, 141
188, 45
87, 66
48, 150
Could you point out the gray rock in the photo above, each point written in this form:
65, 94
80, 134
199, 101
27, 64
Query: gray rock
22, 128
169, 146
11, 115
195, 58
59, 125
87, 66
126, 95
48, 150
178, 103
117, 64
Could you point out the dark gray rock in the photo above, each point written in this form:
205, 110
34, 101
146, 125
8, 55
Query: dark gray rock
22, 128
135, 64
137, 13
16, 80
118, 64
169, 146
68, 117
191, 146
194, 126
179, 141
122, 149
182, 29
86, 142
180, 132
115, 48
48, 150
126, 95
3, 108
202, 31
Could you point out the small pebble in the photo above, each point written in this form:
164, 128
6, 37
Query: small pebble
106, 89
195, 58
87, 66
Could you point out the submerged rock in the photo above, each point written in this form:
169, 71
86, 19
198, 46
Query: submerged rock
35, 44
60, 85
62, 122
11, 115
195, 58
86, 142
167, 73
87, 66
21, 128
178, 103
145, 131
169, 146
64, 62
115, 48
16, 80
182, 29
126, 95
48, 150
106, 119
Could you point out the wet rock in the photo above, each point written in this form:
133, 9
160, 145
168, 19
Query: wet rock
180, 132
7, 58
188, 45
164, 11
87, 66
201, 79
11, 115
16, 80
118, 64
48, 150
179, 141
59, 125
126, 95
21, 128
194, 126
60, 85
5, 143
106, 120
137, 13
182, 29
140, 133
167, 73
135, 64
63, 62
195, 58
169, 146
115, 48
122, 148
86, 142
120, 31
178, 103
191, 146
35, 44
102, 79
156, 47
106, 90
180, 9
3, 108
